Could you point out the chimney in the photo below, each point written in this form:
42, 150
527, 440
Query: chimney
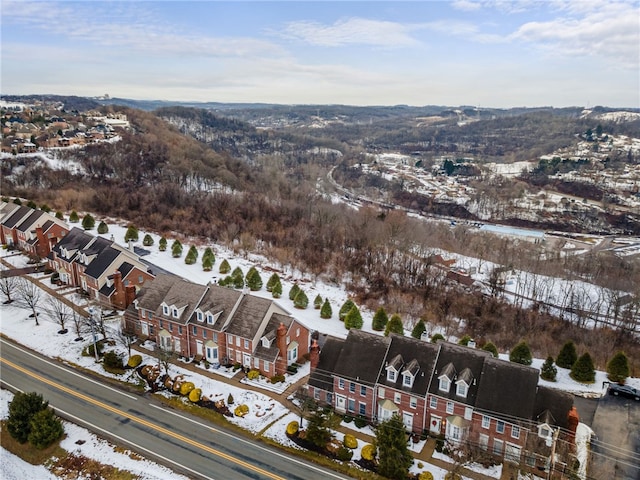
281, 342
129, 295
118, 299
572, 424
314, 354
42, 246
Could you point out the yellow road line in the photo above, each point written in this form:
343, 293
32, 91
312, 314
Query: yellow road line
143, 422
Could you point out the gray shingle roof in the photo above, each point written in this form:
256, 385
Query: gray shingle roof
554, 402
182, 294
419, 357
153, 293
330, 351
218, 299
16, 216
75, 240
25, 225
362, 357
249, 316
101, 262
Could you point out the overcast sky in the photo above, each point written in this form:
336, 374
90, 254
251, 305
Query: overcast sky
491, 53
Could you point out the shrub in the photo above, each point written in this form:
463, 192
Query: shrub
369, 452
162, 244
73, 217
230, 400
88, 351
241, 410
46, 428
134, 361
103, 228
317, 302
583, 370
353, 319
294, 291
549, 371
186, 388
326, 310
195, 394
350, 441
345, 308
112, 360
293, 428
344, 454
292, 369
380, 320
22, 409
131, 234
464, 340
301, 301
568, 355
253, 374
225, 267
490, 347
360, 421
521, 353
277, 378
347, 418
436, 336
425, 476
276, 291
618, 368
147, 241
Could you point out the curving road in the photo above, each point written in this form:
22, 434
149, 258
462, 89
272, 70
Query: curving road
182, 442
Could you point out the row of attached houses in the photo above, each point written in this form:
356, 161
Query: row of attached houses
217, 324
462, 393
109, 273
34, 231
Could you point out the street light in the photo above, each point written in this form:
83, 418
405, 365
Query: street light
93, 334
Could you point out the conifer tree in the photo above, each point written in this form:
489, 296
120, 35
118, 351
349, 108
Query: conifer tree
380, 320
394, 325
17, 201
46, 428
225, 267
131, 234
317, 302
192, 255
345, 308
318, 432
21, 410
73, 217
32, 204
436, 336
490, 347
162, 244
353, 319
618, 368
301, 301
276, 290
273, 279
294, 291
238, 277
253, 280
549, 370
88, 222
418, 329
326, 311
464, 340
567, 356
45, 208
103, 228
147, 241
209, 253
394, 458
176, 249
207, 263
521, 353
59, 215
583, 370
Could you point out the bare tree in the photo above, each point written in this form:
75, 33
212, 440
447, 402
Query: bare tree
78, 323
60, 312
123, 338
31, 295
8, 287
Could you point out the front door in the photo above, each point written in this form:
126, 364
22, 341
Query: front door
176, 345
435, 424
199, 347
145, 328
246, 360
407, 419
341, 403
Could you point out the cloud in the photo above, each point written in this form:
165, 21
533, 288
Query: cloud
609, 30
351, 31
466, 5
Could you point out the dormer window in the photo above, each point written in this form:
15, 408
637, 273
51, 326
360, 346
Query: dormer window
165, 309
199, 315
391, 375
409, 373
445, 384
266, 342
462, 389
210, 319
407, 379
175, 312
544, 431
464, 382
448, 373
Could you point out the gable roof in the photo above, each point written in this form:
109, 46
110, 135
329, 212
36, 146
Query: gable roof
419, 357
249, 316
183, 295
26, 224
16, 216
218, 299
507, 388
75, 240
362, 357
101, 262
7, 209
153, 293
322, 376
550, 401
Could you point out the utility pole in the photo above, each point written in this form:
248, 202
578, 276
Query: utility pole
93, 333
552, 459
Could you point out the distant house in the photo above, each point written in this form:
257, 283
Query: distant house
462, 394
106, 271
217, 324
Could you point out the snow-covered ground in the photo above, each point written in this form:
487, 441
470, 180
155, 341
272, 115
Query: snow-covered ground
263, 410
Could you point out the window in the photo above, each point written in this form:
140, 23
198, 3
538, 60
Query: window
161, 324
445, 384
351, 405
391, 375
230, 339
413, 402
362, 408
486, 422
165, 310
256, 362
407, 380
530, 461
204, 333
180, 329
316, 394
449, 408
433, 402
150, 329
199, 315
397, 398
329, 398
209, 319
500, 426
544, 432
215, 337
468, 413
266, 366
352, 387
246, 344
175, 312
341, 383
461, 389
237, 341
170, 327
140, 279
298, 332
380, 392
149, 315
363, 390
497, 447
515, 431
195, 330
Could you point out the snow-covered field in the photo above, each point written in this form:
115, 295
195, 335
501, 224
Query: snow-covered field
263, 410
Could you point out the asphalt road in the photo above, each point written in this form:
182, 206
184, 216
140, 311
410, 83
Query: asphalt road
186, 444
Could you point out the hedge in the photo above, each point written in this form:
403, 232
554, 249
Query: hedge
134, 361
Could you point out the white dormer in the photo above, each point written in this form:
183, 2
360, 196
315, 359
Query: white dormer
165, 309
446, 377
409, 373
213, 317
266, 342
199, 315
393, 368
392, 374
464, 382
407, 379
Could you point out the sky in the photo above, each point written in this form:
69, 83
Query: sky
489, 53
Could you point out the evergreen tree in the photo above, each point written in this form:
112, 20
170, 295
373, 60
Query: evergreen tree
318, 432
394, 325
301, 301
394, 458
103, 228
46, 428
132, 234
549, 370
192, 255
32, 204
418, 329
147, 241
317, 302
380, 320
238, 277
162, 244
326, 311
45, 208
490, 347
294, 291
21, 410
209, 253
464, 340
273, 279
436, 336
583, 370
567, 356
176, 249
521, 353
207, 263
618, 368
88, 222
276, 290
225, 267
17, 201
59, 215
353, 319
73, 217
254, 280
345, 308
